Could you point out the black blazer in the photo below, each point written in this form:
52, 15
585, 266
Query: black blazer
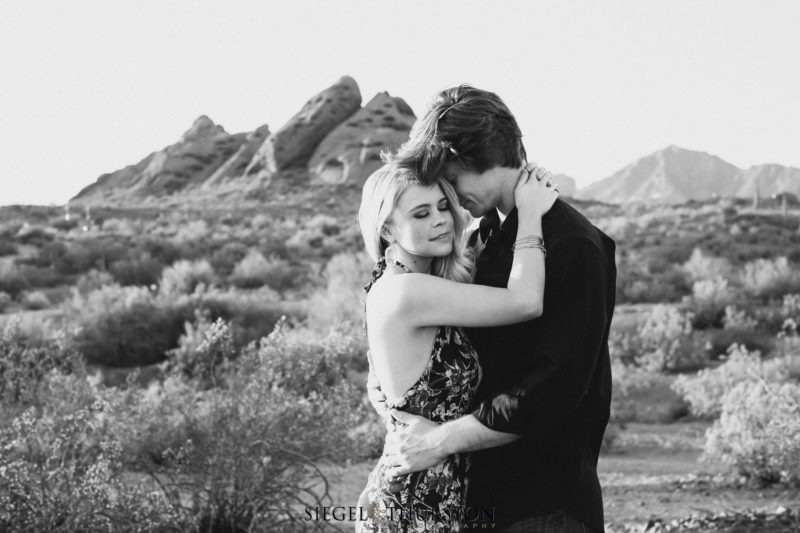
547, 379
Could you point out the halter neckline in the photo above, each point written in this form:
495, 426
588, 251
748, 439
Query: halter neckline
401, 265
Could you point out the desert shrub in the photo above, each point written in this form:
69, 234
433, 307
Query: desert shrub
163, 251
125, 326
255, 270
664, 341
758, 432
702, 267
183, 277
767, 278
312, 375
192, 232
738, 319
12, 280
341, 300
719, 340
139, 270
225, 258
252, 314
93, 280
705, 391
153, 422
35, 300
5, 301
708, 301
626, 381
640, 281
60, 471
83, 255
34, 235
321, 236
7, 247
121, 226
250, 445
202, 349
24, 363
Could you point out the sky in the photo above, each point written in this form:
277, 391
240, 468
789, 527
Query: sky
90, 86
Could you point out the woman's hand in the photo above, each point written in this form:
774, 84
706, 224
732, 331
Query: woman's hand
535, 193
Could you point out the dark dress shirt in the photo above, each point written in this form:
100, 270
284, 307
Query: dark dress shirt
548, 379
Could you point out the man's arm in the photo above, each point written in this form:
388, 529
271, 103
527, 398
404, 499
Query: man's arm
567, 350
425, 443
565, 358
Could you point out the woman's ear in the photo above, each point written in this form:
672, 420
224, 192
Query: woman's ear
386, 233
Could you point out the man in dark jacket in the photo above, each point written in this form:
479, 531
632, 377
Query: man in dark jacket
545, 397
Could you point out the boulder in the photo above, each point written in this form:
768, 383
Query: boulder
236, 165
294, 143
351, 152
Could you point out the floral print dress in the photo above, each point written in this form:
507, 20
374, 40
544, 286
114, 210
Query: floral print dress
433, 499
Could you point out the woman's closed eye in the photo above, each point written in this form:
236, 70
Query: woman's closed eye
443, 206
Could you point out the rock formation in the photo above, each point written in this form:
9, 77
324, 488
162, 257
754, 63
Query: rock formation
294, 143
351, 152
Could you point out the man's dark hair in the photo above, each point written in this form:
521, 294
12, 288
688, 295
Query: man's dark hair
463, 125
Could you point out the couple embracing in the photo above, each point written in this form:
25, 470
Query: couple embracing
488, 354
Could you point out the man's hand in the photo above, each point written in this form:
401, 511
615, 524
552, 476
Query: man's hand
414, 448
376, 396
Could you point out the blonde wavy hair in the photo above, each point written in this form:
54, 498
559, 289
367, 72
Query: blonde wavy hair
380, 196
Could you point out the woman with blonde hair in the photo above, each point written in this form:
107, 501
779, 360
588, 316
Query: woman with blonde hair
419, 296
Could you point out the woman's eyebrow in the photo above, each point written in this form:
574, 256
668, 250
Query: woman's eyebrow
437, 202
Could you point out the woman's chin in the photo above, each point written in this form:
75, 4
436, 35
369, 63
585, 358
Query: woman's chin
443, 251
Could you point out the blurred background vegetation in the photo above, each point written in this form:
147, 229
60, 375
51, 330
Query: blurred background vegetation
185, 369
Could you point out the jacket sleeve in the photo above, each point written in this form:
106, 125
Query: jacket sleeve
570, 341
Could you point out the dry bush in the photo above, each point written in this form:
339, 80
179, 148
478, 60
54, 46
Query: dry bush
665, 341
5, 301
340, 301
255, 270
236, 457
34, 300
706, 390
758, 432
184, 276
767, 278
709, 299
700, 267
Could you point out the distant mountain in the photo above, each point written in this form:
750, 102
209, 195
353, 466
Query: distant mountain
332, 139
675, 175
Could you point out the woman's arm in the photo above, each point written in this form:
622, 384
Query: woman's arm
425, 300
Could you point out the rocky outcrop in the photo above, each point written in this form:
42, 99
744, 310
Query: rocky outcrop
294, 143
201, 150
351, 152
236, 165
